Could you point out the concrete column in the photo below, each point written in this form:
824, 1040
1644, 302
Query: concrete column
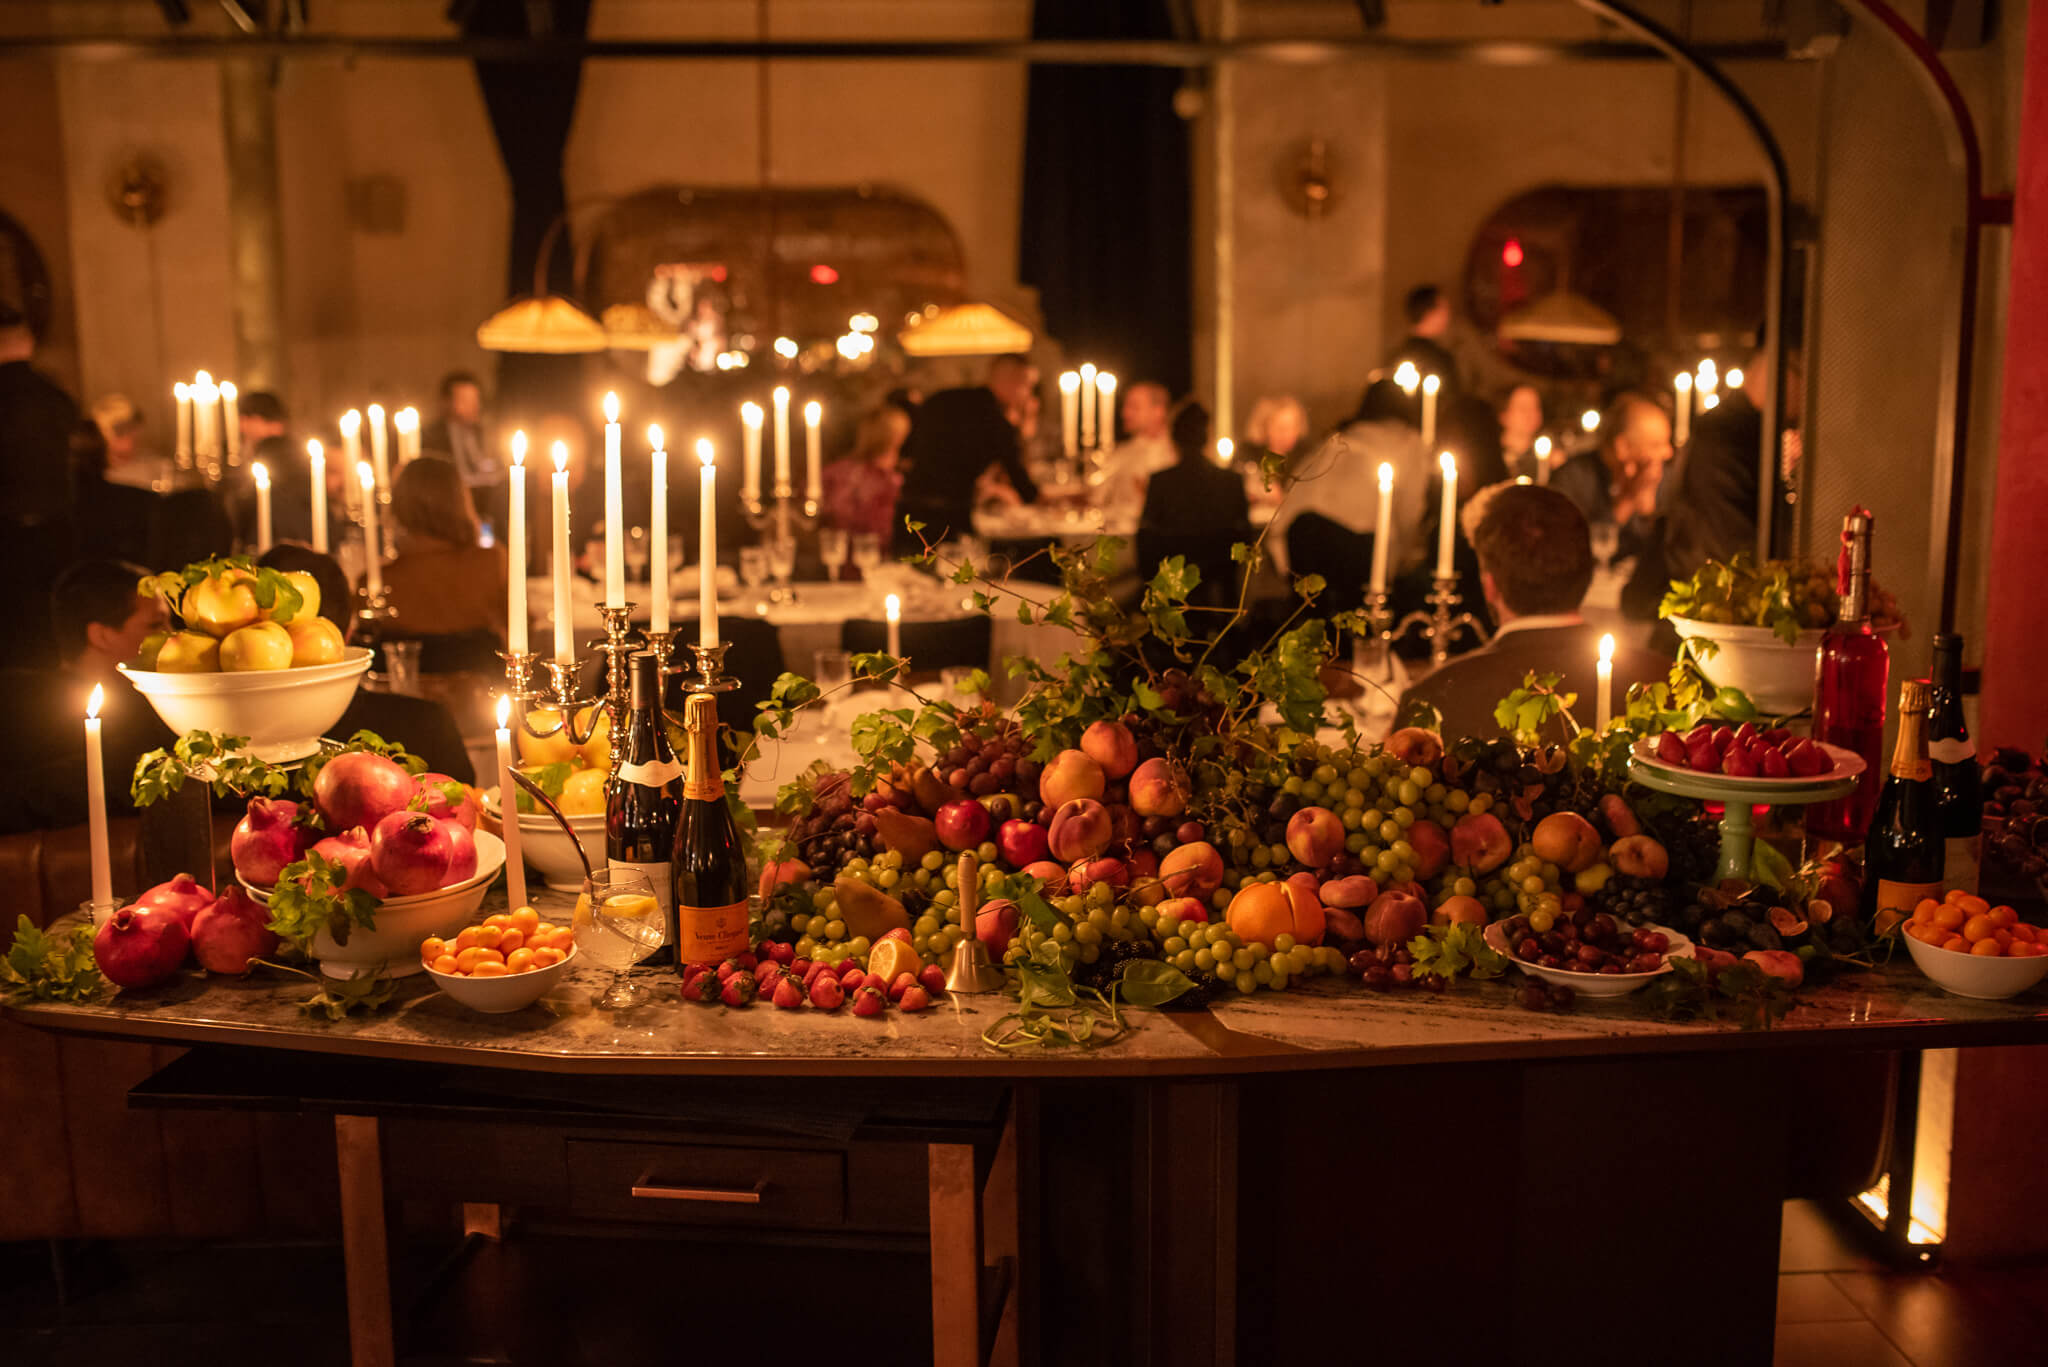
255, 221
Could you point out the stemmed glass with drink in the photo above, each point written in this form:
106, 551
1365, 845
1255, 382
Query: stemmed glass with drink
618, 923
782, 564
867, 553
753, 566
832, 551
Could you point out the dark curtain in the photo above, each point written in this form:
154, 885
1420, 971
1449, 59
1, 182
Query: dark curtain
530, 105
1107, 198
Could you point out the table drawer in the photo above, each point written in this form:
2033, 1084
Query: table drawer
707, 1184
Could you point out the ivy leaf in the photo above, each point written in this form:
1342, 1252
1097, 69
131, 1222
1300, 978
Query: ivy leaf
551, 779
1148, 697
1152, 982
40, 966
965, 574
309, 897
1036, 908
1042, 986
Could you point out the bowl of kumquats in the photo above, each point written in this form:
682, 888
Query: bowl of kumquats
506, 963
1974, 949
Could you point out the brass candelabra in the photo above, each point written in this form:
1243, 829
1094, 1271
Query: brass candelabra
1439, 626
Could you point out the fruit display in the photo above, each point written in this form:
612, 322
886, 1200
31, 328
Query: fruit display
1743, 752
1787, 596
1586, 942
572, 775
499, 946
231, 615
2015, 791
1965, 924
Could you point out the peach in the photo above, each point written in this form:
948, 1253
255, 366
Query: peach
1052, 875
1432, 849
1478, 841
1184, 909
1779, 963
1158, 788
1263, 912
1457, 909
1080, 829
1638, 856
1619, 816
1194, 870
1342, 925
1111, 745
1349, 893
1315, 836
1395, 918
1567, 840
995, 925
1070, 776
1309, 918
776, 872
1414, 745
1086, 873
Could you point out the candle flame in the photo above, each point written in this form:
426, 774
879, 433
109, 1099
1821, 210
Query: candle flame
1386, 477
1734, 378
504, 715
201, 380
654, 436
228, 390
1607, 649
92, 704
785, 347
1070, 381
260, 474
611, 407
376, 411
1543, 447
1523, 479
893, 606
750, 413
315, 452
1407, 376
1448, 463
1430, 384
705, 453
1708, 368
1106, 382
782, 396
1710, 401
561, 454
406, 419
1590, 420
351, 421
813, 412
366, 475
182, 392
1225, 448
1088, 372
519, 447
1682, 381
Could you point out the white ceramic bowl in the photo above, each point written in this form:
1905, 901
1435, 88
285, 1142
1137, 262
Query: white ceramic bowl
543, 846
501, 996
1594, 984
283, 712
1778, 678
1966, 975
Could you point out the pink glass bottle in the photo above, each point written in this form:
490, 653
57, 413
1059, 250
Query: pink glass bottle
1850, 680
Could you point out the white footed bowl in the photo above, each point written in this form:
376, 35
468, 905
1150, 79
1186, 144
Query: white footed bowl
283, 712
543, 846
1778, 678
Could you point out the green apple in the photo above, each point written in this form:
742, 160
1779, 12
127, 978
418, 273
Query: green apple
221, 603
309, 595
188, 652
146, 653
260, 645
315, 640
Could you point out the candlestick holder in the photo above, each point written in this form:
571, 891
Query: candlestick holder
711, 676
617, 648
663, 644
559, 694
1372, 653
1441, 623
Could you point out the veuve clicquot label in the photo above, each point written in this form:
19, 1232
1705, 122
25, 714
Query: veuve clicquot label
1895, 900
711, 934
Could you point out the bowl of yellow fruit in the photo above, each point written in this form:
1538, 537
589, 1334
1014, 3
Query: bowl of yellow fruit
247, 653
573, 777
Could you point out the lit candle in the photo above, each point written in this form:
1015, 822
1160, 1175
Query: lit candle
1105, 431
407, 421
373, 546
380, 451
565, 629
750, 448
351, 451
1543, 460
96, 802
316, 459
1734, 378
707, 545
781, 398
1408, 377
261, 474
1088, 406
1590, 420
231, 419
1430, 385
515, 547
657, 530
1709, 402
182, 392
204, 396
508, 808
1383, 529
1604, 708
1447, 521
892, 608
814, 470
614, 509
1225, 449
1682, 422
1070, 413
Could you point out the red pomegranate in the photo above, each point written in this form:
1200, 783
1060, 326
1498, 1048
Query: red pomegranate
462, 856
231, 932
266, 839
140, 947
361, 789
434, 788
412, 852
184, 897
351, 850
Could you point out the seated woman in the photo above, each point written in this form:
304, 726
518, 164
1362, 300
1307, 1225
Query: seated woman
1274, 432
1195, 509
441, 582
861, 486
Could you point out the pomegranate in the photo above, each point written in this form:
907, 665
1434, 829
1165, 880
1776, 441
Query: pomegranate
184, 897
462, 858
266, 839
361, 789
434, 788
231, 932
351, 850
140, 946
411, 852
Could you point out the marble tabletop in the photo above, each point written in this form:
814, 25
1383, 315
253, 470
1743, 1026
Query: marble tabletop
1322, 1024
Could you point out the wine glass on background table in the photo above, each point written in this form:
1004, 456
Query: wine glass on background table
637, 557
832, 551
753, 567
618, 923
867, 553
782, 564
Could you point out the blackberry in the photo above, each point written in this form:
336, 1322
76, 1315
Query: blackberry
1208, 987
1110, 965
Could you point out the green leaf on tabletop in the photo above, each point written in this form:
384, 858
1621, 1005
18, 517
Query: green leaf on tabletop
338, 997
40, 966
977, 681
1024, 611
1240, 552
873, 664
1036, 909
550, 778
1152, 982
1041, 986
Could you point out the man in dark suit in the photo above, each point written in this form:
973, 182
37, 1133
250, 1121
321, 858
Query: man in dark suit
1535, 563
459, 434
36, 525
956, 436
1428, 310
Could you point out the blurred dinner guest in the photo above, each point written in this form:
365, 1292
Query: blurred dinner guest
1535, 563
1273, 433
421, 725
1521, 420
36, 536
1428, 311
1197, 509
956, 436
96, 621
115, 482
1146, 446
441, 582
266, 437
458, 432
124, 460
861, 486
1617, 482
1326, 523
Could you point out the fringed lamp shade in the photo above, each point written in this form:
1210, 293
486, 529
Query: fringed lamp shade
548, 325
1562, 318
633, 327
965, 330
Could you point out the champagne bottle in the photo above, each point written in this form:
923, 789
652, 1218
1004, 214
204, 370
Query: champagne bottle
643, 801
1849, 688
1958, 791
1902, 854
710, 865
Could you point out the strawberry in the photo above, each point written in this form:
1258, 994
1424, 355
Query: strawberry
769, 978
1770, 762
826, 993
904, 982
899, 933
788, 996
933, 979
846, 966
1737, 763
782, 953
703, 987
869, 1001
739, 990
853, 979
915, 998
1671, 748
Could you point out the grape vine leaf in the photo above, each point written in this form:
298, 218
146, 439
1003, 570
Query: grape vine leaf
40, 966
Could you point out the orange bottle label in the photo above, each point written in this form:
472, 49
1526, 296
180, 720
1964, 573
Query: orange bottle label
711, 934
1895, 901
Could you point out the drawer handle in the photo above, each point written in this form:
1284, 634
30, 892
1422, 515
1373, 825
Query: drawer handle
732, 1196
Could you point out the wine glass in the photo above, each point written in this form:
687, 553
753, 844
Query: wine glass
753, 566
1606, 541
637, 558
617, 923
867, 553
832, 551
782, 563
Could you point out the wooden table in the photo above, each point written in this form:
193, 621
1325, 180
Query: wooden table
1250, 1159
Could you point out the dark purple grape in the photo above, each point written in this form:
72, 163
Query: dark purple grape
1533, 997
